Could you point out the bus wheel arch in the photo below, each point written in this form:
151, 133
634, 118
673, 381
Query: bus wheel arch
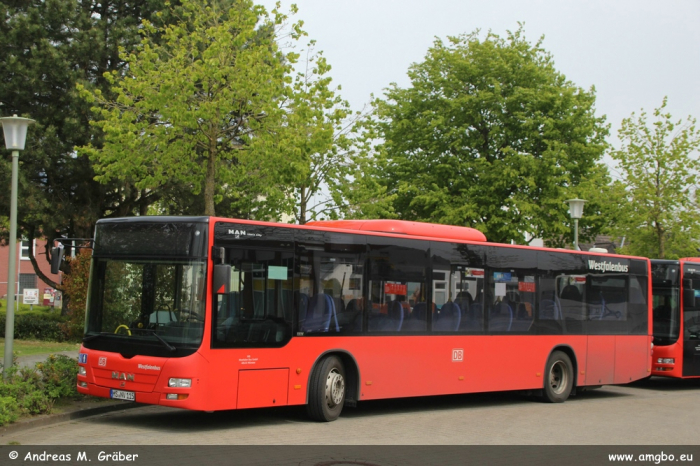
333, 372
560, 375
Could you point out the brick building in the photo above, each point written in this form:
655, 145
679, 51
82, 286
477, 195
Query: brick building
27, 278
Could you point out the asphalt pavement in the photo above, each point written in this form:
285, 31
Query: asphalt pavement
33, 359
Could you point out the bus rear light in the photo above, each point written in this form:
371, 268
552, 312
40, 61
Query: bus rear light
180, 383
176, 396
82, 371
666, 361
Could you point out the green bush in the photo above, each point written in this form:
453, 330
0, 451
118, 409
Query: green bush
37, 326
34, 391
8, 410
36, 402
59, 375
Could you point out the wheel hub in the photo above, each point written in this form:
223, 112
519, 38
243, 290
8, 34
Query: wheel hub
558, 377
335, 388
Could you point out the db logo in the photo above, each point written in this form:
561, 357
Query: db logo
457, 355
102, 361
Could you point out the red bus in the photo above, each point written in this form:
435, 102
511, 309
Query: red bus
676, 305
217, 314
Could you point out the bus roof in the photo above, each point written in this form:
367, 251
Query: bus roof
406, 228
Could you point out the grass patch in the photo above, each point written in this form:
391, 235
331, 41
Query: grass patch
30, 347
27, 308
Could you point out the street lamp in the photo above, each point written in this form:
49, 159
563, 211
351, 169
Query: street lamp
15, 130
576, 212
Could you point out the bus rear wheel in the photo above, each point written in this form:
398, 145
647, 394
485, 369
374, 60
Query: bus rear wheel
327, 390
558, 379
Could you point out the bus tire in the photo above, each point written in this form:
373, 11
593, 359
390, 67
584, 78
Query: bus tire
558, 379
327, 390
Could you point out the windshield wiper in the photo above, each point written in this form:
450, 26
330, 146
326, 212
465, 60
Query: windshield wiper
97, 335
170, 347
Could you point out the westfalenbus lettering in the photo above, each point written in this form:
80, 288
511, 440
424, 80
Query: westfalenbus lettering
605, 266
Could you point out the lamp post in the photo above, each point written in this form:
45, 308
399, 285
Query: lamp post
576, 212
15, 130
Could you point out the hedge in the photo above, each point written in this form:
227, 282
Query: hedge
37, 326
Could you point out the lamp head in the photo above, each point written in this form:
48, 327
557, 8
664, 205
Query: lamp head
576, 208
15, 130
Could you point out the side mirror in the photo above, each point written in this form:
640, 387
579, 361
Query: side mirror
222, 279
56, 258
688, 299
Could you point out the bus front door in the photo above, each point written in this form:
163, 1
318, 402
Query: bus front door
691, 322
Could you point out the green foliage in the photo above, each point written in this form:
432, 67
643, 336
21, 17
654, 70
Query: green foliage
36, 326
217, 63
602, 211
35, 402
32, 391
20, 307
75, 284
314, 140
489, 135
8, 410
49, 46
658, 165
58, 376
195, 105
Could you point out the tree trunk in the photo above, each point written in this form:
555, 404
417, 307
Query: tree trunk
210, 180
302, 206
660, 236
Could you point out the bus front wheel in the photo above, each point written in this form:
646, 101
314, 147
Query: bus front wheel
559, 378
327, 390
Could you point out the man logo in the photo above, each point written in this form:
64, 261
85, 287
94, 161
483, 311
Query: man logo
123, 376
237, 233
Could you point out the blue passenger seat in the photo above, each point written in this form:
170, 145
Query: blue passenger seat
501, 317
449, 318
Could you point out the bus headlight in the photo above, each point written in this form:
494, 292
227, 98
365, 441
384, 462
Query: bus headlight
180, 383
82, 371
666, 361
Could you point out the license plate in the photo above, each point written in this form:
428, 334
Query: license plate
122, 395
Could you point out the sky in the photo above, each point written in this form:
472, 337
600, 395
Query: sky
634, 52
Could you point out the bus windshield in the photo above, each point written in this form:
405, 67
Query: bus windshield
666, 303
140, 298
146, 301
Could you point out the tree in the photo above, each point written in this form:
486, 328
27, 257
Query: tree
489, 135
195, 107
48, 47
658, 165
75, 285
315, 136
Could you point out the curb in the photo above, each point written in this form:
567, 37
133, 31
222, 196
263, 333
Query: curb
49, 419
